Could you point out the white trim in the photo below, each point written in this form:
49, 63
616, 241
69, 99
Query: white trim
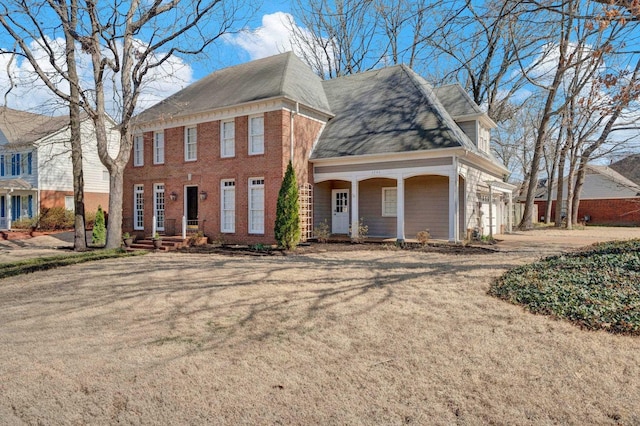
252, 185
247, 108
138, 160
225, 185
251, 135
138, 188
385, 190
194, 143
156, 147
232, 139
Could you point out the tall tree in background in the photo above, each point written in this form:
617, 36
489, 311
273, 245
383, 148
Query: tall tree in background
12, 15
127, 43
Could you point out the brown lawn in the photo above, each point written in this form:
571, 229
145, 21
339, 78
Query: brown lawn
354, 337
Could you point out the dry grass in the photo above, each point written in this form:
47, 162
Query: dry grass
359, 337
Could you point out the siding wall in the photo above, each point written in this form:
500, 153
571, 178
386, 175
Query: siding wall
322, 200
469, 128
370, 207
427, 206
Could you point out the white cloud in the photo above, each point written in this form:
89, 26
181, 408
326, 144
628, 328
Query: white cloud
29, 93
273, 37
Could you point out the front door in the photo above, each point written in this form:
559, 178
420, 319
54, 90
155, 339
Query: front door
191, 207
340, 209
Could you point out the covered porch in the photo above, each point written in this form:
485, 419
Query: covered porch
18, 201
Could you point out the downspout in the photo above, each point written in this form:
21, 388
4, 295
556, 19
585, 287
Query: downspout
292, 129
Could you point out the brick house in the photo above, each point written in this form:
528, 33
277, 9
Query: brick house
35, 166
383, 147
607, 198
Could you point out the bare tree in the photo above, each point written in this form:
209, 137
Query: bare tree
112, 35
10, 19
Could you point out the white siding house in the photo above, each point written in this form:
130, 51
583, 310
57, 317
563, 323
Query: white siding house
35, 166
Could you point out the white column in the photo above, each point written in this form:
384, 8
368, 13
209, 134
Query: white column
400, 209
454, 202
184, 228
510, 213
490, 211
354, 208
9, 210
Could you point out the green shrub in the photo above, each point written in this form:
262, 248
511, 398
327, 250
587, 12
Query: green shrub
598, 288
287, 228
323, 231
99, 236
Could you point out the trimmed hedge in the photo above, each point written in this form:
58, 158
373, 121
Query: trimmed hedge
598, 288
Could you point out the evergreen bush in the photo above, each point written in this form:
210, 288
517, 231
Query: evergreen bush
99, 235
287, 229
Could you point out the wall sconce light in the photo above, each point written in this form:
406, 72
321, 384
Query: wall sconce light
173, 196
203, 195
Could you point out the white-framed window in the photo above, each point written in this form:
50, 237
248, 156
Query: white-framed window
138, 150
256, 135
190, 144
138, 207
158, 148
158, 205
256, 205
389, 202
228, 205
105, 175
228, 139
69, 203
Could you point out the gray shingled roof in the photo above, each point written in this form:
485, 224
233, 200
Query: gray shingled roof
391, 110
457, 101
629, 167
20, 128
280, 75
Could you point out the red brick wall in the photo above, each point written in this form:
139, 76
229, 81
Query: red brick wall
617, 212
209, 169
50, 199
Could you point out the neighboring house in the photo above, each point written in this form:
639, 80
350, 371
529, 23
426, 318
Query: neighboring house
629, 167
382, 147
607, 198
36, 170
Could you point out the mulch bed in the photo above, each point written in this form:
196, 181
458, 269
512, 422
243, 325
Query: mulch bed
244, 250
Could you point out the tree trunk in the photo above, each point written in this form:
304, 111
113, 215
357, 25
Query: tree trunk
114, 226
560, 186
80, 238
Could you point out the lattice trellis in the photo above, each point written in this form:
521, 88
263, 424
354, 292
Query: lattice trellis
305, 196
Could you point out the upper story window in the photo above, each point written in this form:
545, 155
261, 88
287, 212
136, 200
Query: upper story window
389, 202
17, 164
227, 139
138, 150
256, 135
158, 148
190, 144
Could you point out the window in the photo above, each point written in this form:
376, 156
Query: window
227, 139
389, 202
2, 165
190, 144
158, 148
69, 203
256, 206
29, 163
15, 164
105, 175
138, 207
228, 206
138, 151
256, 135
158, 210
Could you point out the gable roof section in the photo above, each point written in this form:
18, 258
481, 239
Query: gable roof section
457, 101
390, 110
283, 75
19, 128
601, 182
629, 167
